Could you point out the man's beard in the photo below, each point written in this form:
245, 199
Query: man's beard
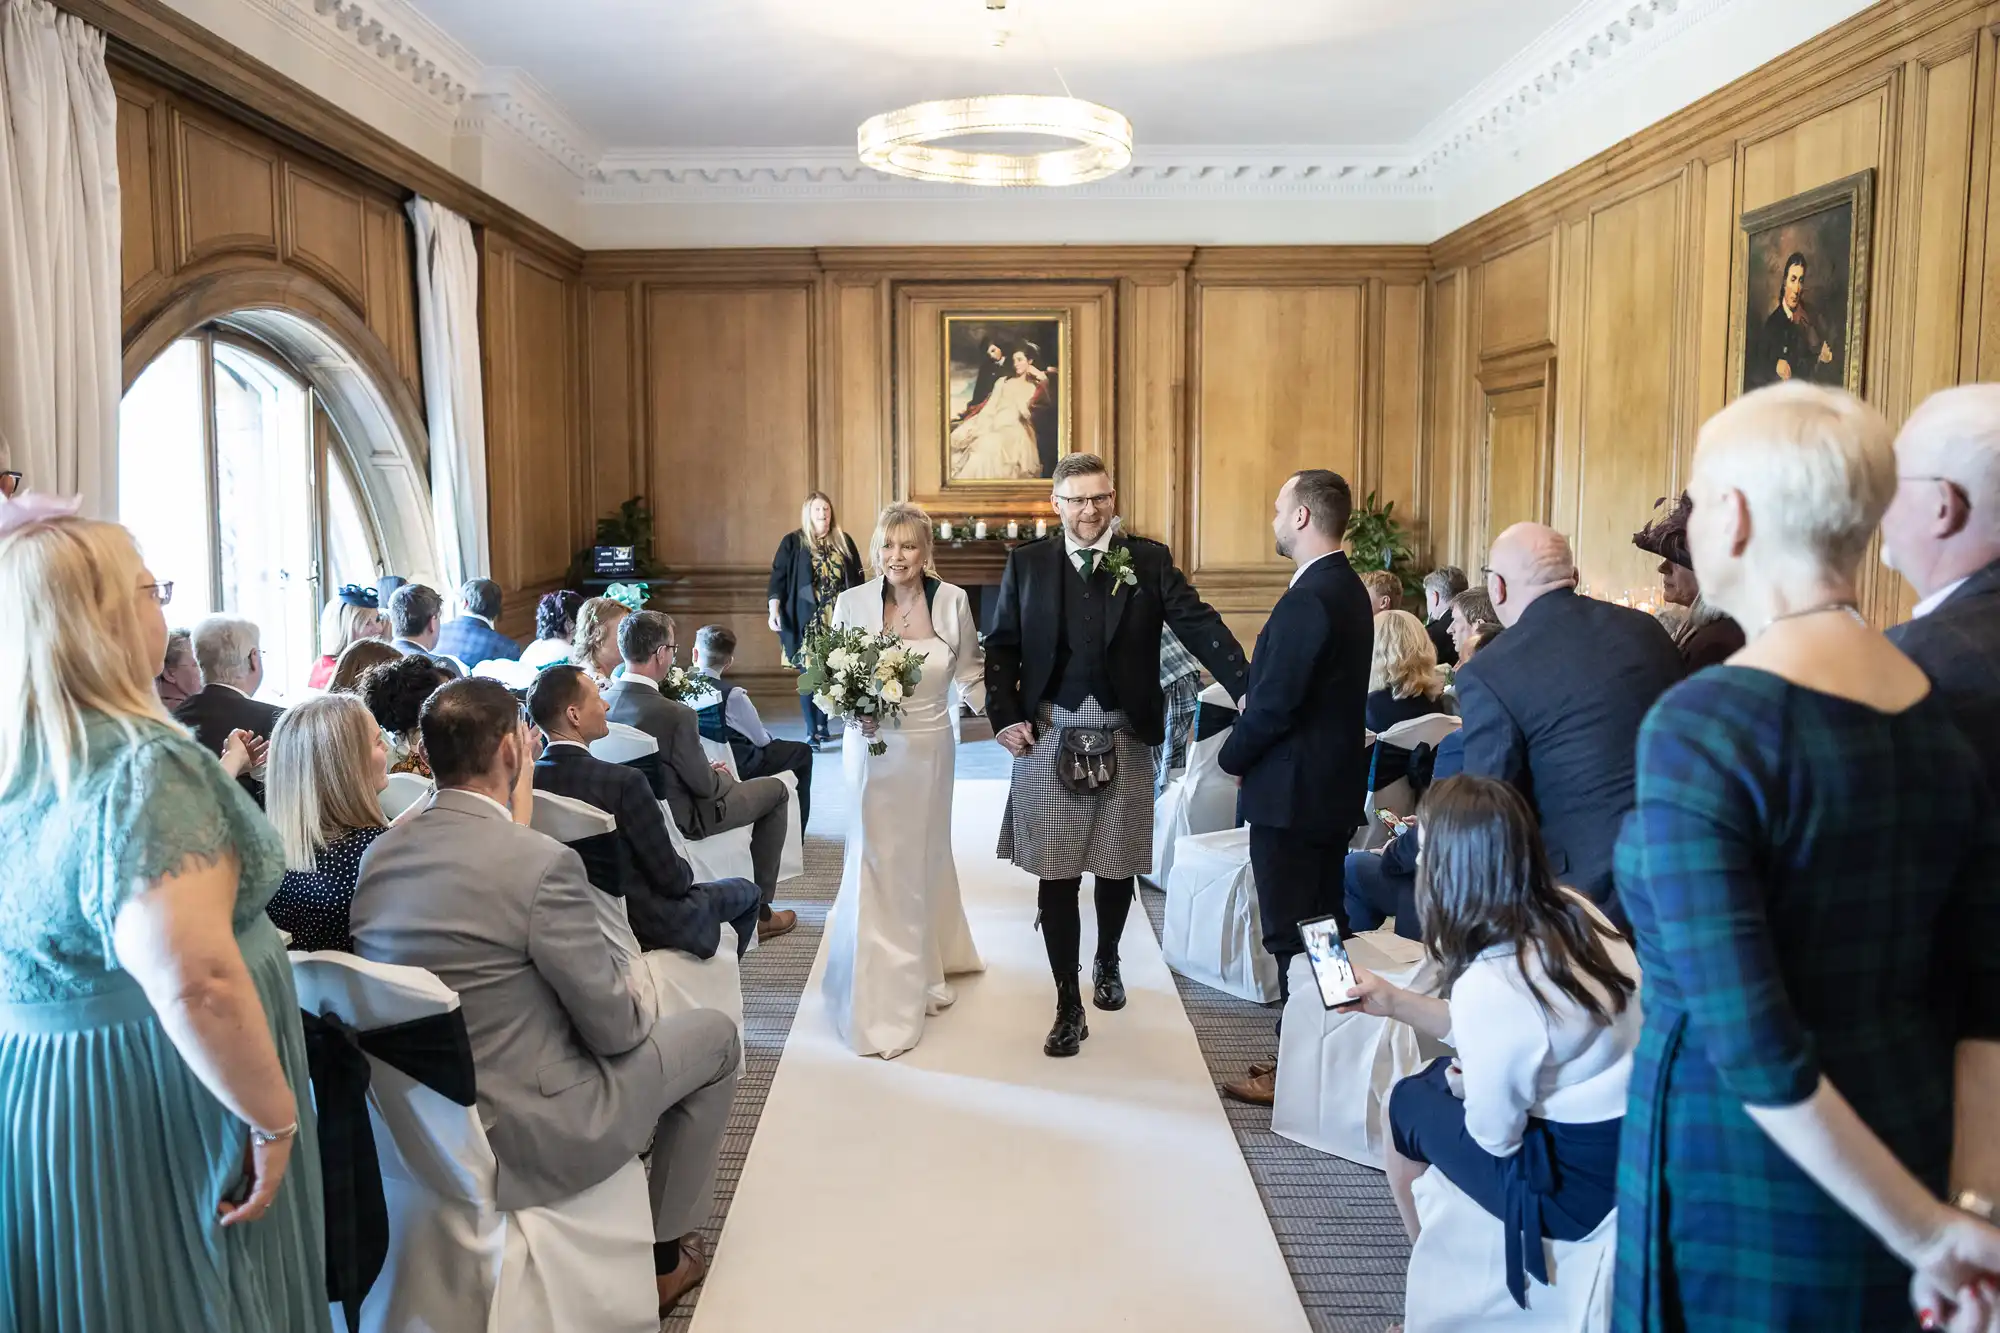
1287, 543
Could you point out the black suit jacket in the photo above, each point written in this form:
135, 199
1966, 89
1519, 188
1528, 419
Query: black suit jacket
1554, 706
1958, 646
1021, 649
652, 877
218, 710
791, 586
1298, 745
1440, 632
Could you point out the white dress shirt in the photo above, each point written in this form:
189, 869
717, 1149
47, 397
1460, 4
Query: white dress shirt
1102, 546
1521, 1058
739, 713
1936, 599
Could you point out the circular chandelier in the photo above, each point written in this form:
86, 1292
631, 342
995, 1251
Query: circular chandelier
903, 143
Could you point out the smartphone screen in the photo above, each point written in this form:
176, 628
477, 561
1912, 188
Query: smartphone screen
1330, 964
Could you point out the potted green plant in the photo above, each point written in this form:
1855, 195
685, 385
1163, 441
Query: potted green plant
1376, 539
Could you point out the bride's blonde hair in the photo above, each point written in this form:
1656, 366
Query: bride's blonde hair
903, 518
71, 589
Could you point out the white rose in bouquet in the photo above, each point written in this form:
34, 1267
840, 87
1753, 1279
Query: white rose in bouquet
827, 704
892, 691
839, 660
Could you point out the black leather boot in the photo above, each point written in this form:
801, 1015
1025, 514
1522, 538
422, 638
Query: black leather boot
1108, 988
1066, 1036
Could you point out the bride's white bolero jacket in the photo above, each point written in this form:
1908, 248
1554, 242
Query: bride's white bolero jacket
951, 616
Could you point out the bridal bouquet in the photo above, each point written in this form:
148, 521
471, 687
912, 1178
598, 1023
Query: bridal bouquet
851, 673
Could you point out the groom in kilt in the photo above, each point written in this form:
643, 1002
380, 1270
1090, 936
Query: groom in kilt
1075, 649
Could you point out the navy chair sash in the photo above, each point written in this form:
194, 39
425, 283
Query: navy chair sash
433, 1050
1212, 718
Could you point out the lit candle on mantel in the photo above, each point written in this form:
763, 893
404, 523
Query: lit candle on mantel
979, 529
1013, 528
944, 530
1041, 527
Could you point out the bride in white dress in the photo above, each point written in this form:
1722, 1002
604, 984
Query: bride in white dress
898, 928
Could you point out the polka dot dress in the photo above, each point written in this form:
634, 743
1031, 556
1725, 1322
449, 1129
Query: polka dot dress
312, 906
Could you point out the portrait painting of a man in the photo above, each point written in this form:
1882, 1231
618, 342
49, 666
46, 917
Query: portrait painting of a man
1805, 287
1003, 399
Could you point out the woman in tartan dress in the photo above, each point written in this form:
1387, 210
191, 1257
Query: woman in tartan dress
1812, 872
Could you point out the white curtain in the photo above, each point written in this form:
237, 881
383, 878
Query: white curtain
59, 256
448, 316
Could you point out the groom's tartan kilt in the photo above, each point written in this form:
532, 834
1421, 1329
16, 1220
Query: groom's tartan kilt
1053, 833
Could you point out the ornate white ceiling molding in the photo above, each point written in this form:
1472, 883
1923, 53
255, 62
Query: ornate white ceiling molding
1593, 43
399, 39
1163, 173
511, 98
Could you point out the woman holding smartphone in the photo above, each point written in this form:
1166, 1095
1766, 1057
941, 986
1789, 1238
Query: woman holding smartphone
1538, 1001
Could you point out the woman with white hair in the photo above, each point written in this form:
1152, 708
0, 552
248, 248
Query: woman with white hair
898, 928
1810, 873
323, 791
150, 1040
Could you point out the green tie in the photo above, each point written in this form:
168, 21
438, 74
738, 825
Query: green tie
1089, 558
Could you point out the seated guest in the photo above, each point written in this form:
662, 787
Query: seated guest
1810, 874
1706, 636
594, 645
555, 622
1555, 710
1481, 635
1470, 611
179, 679
1382, 883
357, 661
1673, 619
704, 798
667, 909
471, 638
505, 917
1403, 684
1385, 590
351, 617
232, 669
414, 614
729, 715
395, 694
1942, 533
1543, 1016
1440, 586
327, 770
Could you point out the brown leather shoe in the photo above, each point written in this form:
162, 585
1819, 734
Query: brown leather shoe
776, 924
685, 1277
1254, 1088
1263, 1067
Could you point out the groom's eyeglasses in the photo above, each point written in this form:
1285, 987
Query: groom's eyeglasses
1087, 501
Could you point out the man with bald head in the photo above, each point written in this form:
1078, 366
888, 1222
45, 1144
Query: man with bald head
1554, 704
1942, 533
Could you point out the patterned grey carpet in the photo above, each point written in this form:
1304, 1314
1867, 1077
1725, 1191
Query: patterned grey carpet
1334, 1221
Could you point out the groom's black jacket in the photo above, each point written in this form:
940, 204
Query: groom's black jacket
1022, 651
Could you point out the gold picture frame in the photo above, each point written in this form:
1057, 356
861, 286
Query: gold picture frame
1006, 383
1802, 268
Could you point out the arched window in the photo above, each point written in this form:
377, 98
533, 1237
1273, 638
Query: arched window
234, 481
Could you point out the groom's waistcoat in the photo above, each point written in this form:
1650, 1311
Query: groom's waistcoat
1080, 666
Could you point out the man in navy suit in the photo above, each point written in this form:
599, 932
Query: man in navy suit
1942, 533
1299, 745
1554, 704
414, 614
471, 638
667, 909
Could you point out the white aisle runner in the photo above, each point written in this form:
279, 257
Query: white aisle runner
976, 1184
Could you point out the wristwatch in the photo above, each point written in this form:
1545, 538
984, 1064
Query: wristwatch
262, 1139
1968, 1201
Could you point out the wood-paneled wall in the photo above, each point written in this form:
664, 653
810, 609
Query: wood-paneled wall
725, 385
1582, 333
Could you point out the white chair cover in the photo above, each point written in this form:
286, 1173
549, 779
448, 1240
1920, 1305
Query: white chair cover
718, 856
1212, 932
404, 790
1458, 1272
1201, 799
513, 674
456, 1263
1399, 797
625, 743
567, 819
1335, 1069
792, 858
685, 982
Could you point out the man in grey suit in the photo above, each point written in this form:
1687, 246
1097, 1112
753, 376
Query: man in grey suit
1942, 533
704, 797
576, 1069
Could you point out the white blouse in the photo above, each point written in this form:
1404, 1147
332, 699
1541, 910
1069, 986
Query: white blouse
1522, 1059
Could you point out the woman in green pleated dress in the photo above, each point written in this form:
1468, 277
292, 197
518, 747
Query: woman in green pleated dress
158, 1163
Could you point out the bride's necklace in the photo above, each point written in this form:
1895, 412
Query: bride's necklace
905, 615
1849, 607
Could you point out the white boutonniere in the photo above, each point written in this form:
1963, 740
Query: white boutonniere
1118, 560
